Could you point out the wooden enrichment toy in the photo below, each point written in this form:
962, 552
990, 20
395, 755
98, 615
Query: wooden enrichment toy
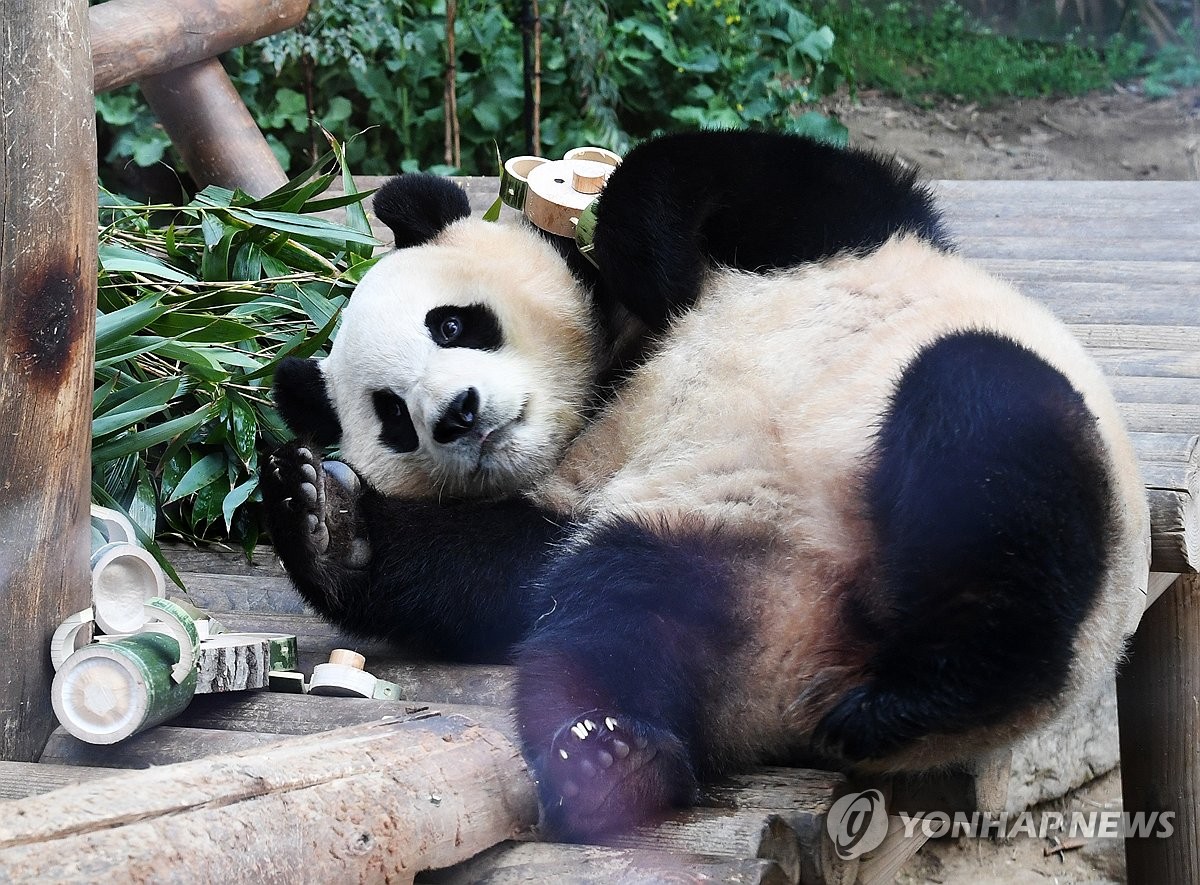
555, 194
345, 677
134, 658
107, 691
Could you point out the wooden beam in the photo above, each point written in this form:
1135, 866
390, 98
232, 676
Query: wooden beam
218, 139
513, 863
47, 330
376, 802
134, 39
1157, 693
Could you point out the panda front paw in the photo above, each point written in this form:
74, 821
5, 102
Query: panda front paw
605, 774
313, 514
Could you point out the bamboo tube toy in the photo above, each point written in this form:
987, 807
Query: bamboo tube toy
107, 691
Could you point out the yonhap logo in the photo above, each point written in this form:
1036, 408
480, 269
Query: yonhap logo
857, 823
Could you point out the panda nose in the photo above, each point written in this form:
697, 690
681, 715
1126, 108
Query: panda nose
459, 417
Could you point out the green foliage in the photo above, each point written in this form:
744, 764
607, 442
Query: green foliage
944, 56
1175, 66
612, 74
197, 305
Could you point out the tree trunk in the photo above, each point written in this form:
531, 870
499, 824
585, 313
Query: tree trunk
47, 329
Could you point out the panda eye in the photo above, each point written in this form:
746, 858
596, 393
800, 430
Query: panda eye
450, 329
474, 326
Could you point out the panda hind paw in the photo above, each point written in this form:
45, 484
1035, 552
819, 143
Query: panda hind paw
313, 508
606, 774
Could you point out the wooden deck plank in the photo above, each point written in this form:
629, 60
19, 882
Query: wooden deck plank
21, 779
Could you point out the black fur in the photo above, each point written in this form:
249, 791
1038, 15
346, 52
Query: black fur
637, 624
303, 401
477, 327
451, 580
747, 200
418, 206
991, 500
397, 430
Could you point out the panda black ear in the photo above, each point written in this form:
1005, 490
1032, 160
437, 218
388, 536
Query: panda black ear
302, 398
418, 206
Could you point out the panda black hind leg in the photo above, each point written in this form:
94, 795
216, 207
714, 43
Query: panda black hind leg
614, 677
992, 505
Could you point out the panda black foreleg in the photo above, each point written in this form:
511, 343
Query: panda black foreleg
615, 677
451, 580
316, 527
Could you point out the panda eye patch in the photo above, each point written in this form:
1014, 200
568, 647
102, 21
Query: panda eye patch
398, 431
474, 326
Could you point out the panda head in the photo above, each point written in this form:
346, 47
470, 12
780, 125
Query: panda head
463, 360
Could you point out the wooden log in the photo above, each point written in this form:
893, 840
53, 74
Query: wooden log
376, 802
218, 139
134, 39
48, 306
21, 779
511, 863
1157, 693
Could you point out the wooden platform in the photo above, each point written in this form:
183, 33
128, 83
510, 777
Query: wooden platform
1118, 261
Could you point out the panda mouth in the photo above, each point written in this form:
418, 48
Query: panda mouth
498, 435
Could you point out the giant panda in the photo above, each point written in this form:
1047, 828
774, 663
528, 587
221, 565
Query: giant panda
857, 501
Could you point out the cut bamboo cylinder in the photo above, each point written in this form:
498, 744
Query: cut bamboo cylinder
377, 802
124, 578
110, 690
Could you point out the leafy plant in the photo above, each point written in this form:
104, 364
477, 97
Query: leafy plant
611, 74
946, 56
197, 305
1175, 66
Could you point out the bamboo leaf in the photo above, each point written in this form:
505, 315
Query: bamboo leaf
122, 259
152, 436
112, 327
203, 472
236, 498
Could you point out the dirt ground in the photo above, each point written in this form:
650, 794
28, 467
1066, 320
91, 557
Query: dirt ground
1022, 860
1102, 136
1117, 135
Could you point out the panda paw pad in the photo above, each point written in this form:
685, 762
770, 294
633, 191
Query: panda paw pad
605, 773
315, 504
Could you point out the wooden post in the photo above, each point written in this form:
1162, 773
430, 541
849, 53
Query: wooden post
219, 140
47, 330
133, 39
1158, 702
